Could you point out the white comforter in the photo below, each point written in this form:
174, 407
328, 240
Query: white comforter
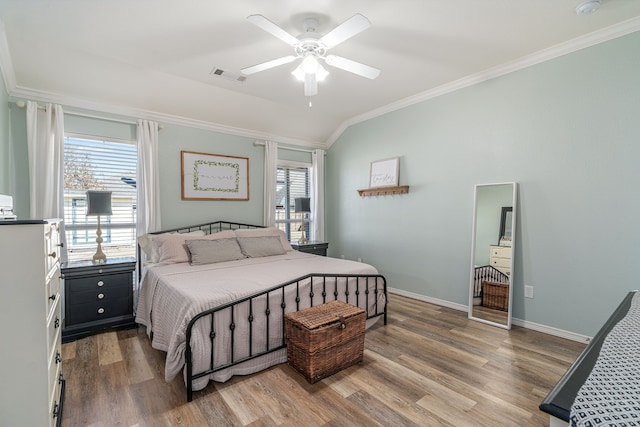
171, 295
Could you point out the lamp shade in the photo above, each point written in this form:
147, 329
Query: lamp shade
98, 203
302, 204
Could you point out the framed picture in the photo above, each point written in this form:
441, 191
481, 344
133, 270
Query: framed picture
384, 173
214, 177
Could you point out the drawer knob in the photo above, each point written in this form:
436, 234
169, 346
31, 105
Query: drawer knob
100, 310
58, 357
53, 255
61, 245
56, 323
52, 297
100, 283
100, 296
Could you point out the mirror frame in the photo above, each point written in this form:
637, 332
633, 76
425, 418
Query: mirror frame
473, 253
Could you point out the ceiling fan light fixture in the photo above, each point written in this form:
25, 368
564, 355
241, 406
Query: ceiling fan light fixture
310, 65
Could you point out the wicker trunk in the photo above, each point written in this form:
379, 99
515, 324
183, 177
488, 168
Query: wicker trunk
325, 339
495, 295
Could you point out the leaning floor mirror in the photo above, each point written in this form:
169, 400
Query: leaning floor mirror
492, 244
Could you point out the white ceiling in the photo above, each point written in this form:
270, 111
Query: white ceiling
153, 58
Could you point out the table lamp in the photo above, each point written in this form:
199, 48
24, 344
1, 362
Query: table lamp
302, 205
99, 203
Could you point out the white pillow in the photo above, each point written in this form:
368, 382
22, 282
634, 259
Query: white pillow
150, 247
172, 248
260, 232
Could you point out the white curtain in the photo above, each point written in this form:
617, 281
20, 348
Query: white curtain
270, 172
317, 195
148, 178
45, 144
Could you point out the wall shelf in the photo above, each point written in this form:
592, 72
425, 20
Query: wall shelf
384, 191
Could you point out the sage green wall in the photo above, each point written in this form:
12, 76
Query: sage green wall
566, 130
177, 212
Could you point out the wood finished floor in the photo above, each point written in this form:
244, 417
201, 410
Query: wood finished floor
430, 366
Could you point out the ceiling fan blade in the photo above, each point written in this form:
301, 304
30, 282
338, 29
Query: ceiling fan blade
266, 65
352, 66
272, 29
349, 28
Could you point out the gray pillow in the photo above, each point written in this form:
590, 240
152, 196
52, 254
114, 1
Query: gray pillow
210, 251
254, 247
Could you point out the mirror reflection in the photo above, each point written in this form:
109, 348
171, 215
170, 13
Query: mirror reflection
492, 253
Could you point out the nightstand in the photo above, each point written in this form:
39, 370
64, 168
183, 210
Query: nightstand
317, 248
97, 296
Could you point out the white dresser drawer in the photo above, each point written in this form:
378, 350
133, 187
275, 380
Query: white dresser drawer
55, 403
501, 251
501, 262
54, 326
52, 244
55, 361
52, 287
55, 381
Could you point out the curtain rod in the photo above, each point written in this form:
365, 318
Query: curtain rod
304, 150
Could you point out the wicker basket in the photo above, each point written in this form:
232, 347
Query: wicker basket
495, 295
325, 339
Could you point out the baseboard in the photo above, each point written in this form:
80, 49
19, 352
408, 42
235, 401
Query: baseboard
515, 321
436, 301
551, 330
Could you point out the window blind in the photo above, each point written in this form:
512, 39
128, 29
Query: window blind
92, 164
291, 182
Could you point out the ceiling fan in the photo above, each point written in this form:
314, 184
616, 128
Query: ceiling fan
312, 47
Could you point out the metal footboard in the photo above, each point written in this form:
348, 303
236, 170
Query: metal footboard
362, 290
489, 273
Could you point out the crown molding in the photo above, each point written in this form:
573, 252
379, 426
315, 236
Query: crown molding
75, 103
570, 46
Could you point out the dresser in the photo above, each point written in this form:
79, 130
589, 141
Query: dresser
97, 296
500, 258
317, 248
31, 381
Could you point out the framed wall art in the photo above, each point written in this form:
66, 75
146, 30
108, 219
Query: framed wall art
214, 177
384, 173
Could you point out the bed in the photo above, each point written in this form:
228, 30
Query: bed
213, 296
602, 387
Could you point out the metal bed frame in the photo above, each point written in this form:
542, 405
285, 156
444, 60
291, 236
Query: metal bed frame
322, 288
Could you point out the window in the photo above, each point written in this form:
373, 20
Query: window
92, 164
291, 182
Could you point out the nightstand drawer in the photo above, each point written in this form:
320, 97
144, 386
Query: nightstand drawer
98, 310
79, 293
316, 248
104, 283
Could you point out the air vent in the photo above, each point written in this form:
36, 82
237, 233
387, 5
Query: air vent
227, 75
